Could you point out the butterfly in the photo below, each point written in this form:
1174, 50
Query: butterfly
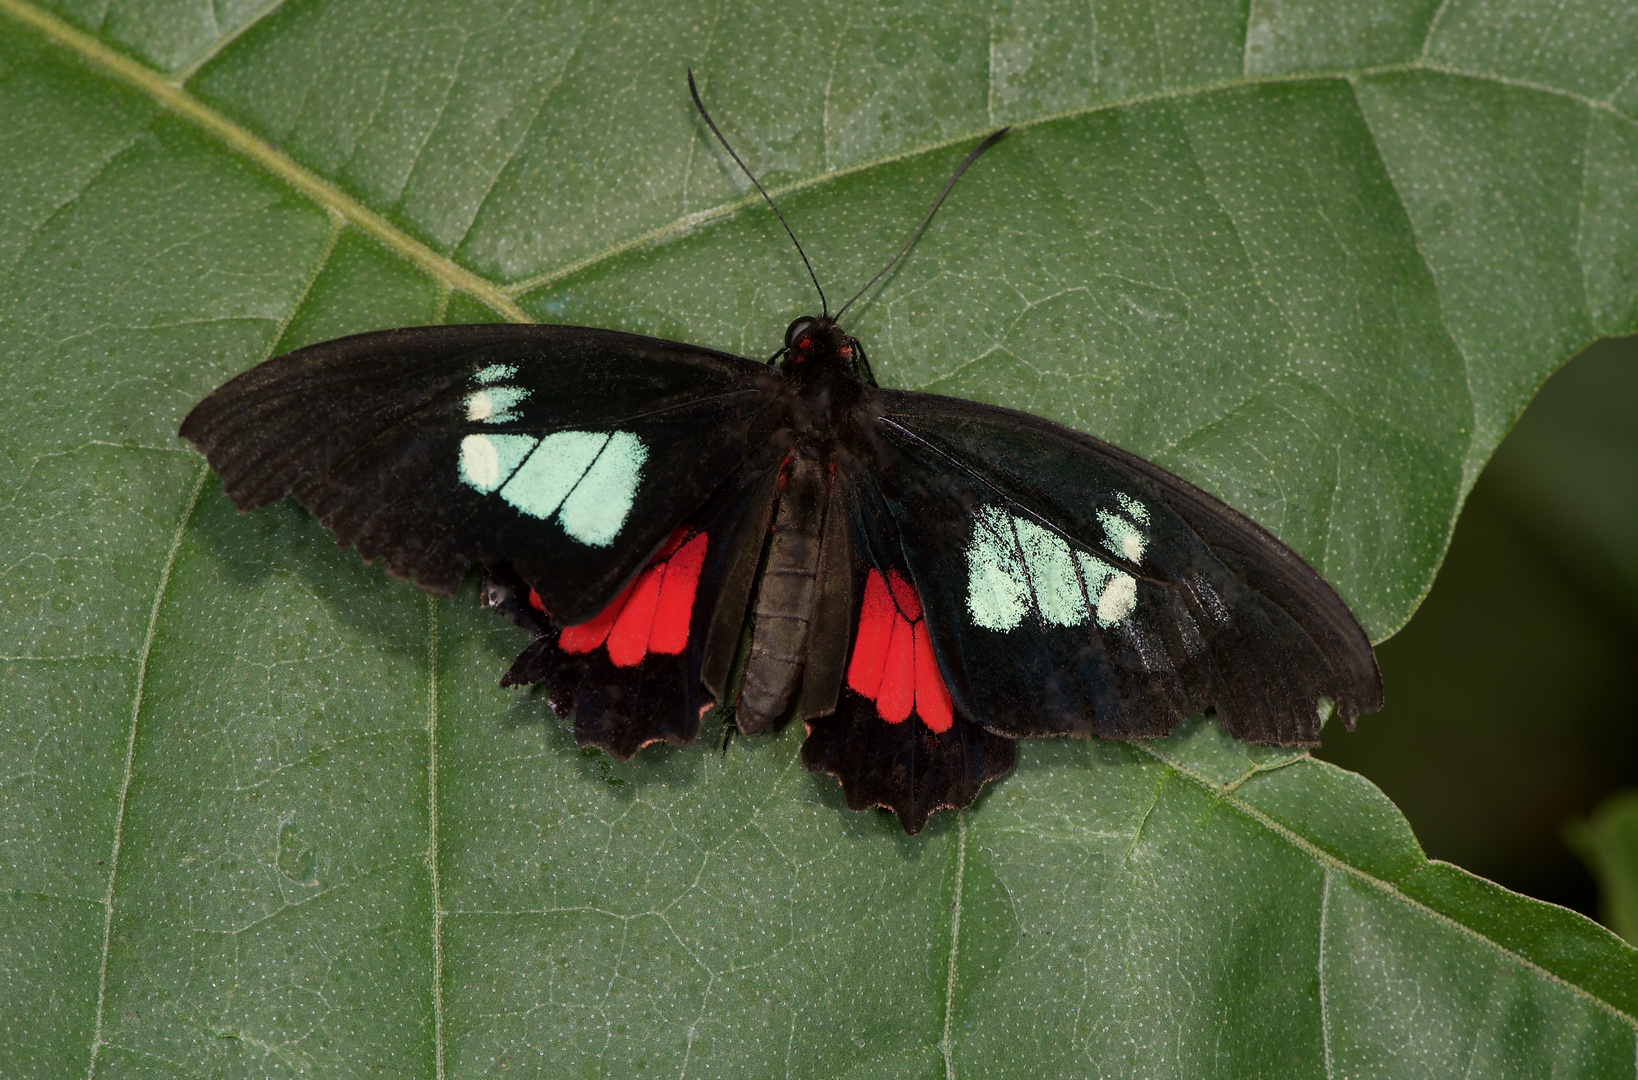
921, 580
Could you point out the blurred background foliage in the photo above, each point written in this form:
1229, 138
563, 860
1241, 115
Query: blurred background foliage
1510, 735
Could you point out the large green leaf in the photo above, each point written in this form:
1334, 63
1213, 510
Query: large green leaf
265, 812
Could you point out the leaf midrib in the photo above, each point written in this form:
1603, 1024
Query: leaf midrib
173, 97
170, 94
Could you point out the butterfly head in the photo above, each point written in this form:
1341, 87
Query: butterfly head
815, 347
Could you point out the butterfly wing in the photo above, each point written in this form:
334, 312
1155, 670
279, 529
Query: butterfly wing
648, 666
894, 739
1072, 588
570, 455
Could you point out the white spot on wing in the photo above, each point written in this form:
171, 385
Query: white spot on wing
542, 483
494, 373
594, 513
1117, 600
1122, 537
480, 466
494, 405
487, 460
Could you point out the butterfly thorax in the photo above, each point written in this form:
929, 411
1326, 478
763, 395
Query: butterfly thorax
824, 373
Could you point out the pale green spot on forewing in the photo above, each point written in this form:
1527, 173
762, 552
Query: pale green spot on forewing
541, 484
494, 373
587, 478
1138, 512
996, 596
597, 508
494, 404
487, 460
1052, 576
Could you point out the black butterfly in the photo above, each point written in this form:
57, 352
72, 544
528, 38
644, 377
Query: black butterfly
926, 579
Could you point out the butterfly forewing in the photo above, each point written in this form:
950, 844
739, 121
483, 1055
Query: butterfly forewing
1074, 589
569, 454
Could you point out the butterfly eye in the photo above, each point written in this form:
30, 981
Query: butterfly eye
796, 330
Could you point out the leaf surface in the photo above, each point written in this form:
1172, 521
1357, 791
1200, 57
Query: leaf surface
266, 812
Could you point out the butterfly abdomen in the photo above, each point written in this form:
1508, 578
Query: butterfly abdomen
785, 598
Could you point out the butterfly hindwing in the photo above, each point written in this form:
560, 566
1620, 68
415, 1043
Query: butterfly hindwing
1074, 589
895, 739
643, 670
569, 454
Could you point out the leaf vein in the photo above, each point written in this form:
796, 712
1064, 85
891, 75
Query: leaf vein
226, 39
1325, 858
1324, 1004
946, 1043
512, 151
130, 763
502, 299
433, 854
244, 142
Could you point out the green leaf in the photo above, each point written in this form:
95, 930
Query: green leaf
266, 812
1608, 843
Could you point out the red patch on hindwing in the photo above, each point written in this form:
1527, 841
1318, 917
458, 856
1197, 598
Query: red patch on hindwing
932, 696
652, 614
676, 603
893, 662
628, 639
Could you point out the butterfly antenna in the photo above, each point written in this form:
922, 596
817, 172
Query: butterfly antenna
972, 157
712, 124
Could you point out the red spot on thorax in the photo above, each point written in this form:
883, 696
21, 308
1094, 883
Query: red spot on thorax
893, 662
652, 614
